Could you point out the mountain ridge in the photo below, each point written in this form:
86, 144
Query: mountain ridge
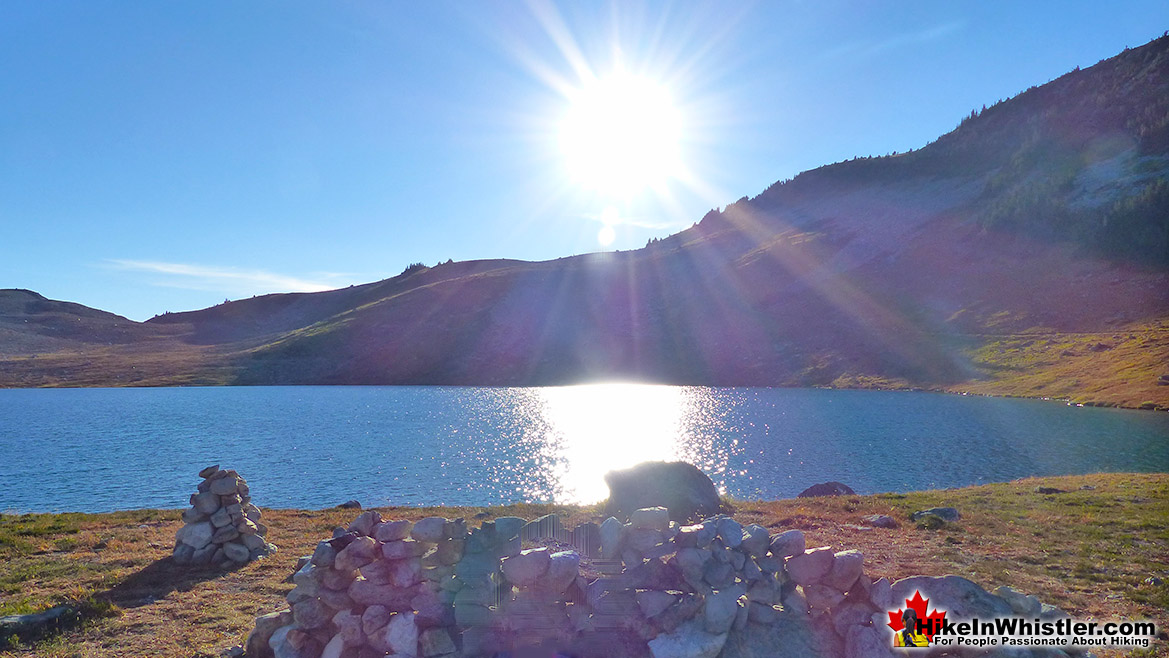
993, 260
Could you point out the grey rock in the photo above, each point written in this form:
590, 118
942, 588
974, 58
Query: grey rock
428, 530
324, 555
311, 613
689, 640
612, 531
762, 613
730, 532
406, 573
257, 642
810, 566
563, 569
193, 515
524, 569
642, 540
196, 535
348, 627
654, 602
206, 502
367, 593
236, 552
865, 642
350, 504
374, 618
224, 535
881, 594
509, 526
847, 566
224, 485
851, 613
880, 521
220, 519
788, 544
822, 597
652, 518
334, 648
398, 550
357, 554
209, 471
948, 514
393, 531
718, 613
183, 554
789, 636
365, 522
756, 540
436, 642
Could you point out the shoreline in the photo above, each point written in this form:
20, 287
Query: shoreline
1079, 401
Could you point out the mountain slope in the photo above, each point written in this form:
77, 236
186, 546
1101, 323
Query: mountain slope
1026, 252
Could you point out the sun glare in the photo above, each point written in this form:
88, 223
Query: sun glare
621, 135
602, 427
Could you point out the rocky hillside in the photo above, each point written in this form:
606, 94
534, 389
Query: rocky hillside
1026, 252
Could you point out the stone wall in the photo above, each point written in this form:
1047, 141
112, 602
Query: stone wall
437, 588
222, 526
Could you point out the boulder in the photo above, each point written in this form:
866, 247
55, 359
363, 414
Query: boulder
611, 532
349, 504
654, 602
679, 487
730, 532
948, 514
880, 521
827, 489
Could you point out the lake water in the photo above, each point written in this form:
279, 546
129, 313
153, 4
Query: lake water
108, 449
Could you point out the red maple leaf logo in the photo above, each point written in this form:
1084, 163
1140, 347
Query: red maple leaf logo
930, 623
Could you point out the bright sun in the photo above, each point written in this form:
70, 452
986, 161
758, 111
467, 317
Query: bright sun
622, 135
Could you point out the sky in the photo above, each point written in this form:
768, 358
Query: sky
166, 156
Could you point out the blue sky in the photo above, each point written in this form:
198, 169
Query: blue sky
159, 156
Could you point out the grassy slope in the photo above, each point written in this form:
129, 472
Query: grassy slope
1087, 551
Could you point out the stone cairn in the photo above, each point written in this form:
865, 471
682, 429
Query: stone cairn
436, 588
222, 525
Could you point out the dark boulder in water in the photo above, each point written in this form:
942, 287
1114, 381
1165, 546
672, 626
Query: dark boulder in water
680, 487
827, 489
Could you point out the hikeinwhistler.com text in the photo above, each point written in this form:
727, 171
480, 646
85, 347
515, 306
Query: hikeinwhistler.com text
1022, 632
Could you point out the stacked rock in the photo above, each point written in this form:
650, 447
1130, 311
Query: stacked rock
436, 589
222, 526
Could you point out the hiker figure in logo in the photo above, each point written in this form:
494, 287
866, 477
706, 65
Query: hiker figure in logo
909, 636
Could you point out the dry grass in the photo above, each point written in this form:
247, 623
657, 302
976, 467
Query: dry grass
1087, 551
1116, 368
